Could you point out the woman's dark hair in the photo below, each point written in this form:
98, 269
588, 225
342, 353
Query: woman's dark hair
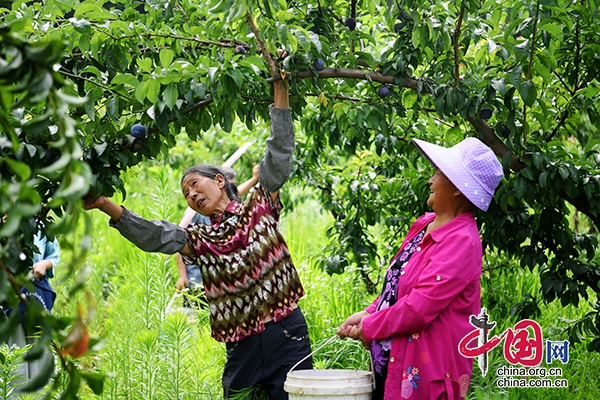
211, 172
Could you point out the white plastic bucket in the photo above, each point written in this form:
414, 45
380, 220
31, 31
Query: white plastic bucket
339, 384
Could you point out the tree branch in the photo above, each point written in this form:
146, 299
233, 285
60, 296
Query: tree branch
261, 46
563, 118
456, 37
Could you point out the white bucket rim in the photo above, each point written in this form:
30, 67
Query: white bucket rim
324, 391
355, 382
328, 373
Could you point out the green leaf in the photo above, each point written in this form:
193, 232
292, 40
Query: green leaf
42, 83
126, 79
14, 64
93, 12
22, 170
237, 11
100, 148
543, 72
95, 381
564, 172
221, 6
424, 34
302, 37
145, 64
528, 92
38, 124
316, 41
529, 174
282, 32
366, 57
552, 28
140, 92
82, 26
499, 85
520, 187
522, 51
254, 63
166, 57
78, 187
62, 162
112, 107
212, 71
543, 178
171, 95
515, 76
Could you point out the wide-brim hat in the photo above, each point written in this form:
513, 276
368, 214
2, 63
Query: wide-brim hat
470, 165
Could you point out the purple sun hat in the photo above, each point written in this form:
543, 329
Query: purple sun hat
470, 165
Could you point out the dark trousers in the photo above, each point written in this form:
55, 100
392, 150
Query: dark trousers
266, 358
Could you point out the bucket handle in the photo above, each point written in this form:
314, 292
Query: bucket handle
331, 339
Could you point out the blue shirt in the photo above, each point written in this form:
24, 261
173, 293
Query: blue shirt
47, 250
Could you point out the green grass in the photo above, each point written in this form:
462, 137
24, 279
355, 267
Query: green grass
149, 351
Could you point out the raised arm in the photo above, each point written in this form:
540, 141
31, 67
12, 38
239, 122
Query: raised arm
276, 165
245, 187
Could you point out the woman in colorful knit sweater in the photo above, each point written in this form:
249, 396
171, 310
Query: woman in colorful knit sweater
250, 282
432, 285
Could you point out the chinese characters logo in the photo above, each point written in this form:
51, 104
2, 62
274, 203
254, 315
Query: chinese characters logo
523, 343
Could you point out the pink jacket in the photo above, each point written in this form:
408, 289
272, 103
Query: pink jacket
437, 294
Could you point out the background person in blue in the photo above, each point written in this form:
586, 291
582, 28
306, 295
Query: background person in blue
44, 261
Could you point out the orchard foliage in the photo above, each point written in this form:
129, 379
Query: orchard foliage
75, 76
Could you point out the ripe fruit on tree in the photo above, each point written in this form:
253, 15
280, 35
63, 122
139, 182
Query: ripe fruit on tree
399, 26
502, 129
485, 113
282, 53
240, 50
350, 23
383, 91
136, 146
138, 131
318, 64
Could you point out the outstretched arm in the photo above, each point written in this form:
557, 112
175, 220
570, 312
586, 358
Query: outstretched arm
150, 236
275, 167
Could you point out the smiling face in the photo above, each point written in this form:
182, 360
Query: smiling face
205, 195
444, 194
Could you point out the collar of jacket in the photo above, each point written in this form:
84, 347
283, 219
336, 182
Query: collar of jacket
233, 208
437, 235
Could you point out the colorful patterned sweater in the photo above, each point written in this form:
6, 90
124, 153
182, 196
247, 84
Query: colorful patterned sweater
245, 263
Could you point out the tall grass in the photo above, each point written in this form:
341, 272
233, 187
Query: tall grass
153, 351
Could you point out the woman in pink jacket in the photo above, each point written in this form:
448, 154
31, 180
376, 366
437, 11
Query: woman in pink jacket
432, 285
